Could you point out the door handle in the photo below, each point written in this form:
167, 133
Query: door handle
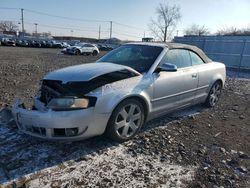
194, 75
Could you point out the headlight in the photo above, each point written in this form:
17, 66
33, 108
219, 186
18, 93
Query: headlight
68, 103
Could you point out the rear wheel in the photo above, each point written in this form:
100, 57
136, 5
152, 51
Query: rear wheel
94, 53
214, 94
126, 120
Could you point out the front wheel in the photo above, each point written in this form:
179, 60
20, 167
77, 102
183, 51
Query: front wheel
214, 94
126, 120
78, 52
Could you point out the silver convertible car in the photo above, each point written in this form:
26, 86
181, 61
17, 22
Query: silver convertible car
120, 92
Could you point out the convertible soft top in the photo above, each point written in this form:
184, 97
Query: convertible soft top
171, 45
195, 49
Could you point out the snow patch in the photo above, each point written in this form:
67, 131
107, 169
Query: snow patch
114, 167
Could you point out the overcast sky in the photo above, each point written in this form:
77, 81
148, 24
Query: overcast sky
214, 14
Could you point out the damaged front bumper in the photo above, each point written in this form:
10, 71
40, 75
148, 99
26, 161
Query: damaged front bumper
58, 125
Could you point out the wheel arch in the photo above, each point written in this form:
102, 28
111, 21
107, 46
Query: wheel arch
140, 98
219, 80
79, 50
216, 78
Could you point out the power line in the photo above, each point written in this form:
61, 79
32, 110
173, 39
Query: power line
129, 33
68, 18
77, 19
63, 17
68, 26
129, 26
10, 8
77, 29
123, 34
58, 27
85, 20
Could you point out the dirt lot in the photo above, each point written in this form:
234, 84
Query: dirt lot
22, 68
197, 147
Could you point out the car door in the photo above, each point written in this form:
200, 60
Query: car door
173, 90
88, 48
205, 73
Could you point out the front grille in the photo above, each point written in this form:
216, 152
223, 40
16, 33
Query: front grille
36, 130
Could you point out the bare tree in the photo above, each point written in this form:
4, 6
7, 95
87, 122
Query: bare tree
167, 18
232, 31
8, 26
196, 29
228, 31
246, 31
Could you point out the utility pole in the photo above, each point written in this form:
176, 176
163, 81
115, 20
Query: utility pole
22, 20
177, 32
99, 32
111, 29
144, 34
35, 28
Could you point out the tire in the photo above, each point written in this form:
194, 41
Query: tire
94, 53
125, 121
214, 94
78, 52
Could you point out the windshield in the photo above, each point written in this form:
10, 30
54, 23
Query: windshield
138, 57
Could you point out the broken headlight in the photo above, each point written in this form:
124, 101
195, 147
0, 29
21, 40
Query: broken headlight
69, 103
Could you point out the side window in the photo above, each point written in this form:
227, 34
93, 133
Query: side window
178, 57
196, 60
88, 45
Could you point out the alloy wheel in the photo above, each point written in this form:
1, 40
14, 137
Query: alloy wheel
215, 94
128, 120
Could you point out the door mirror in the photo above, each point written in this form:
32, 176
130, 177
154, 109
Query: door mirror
168, 67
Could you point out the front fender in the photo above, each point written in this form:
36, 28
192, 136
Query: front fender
109, 102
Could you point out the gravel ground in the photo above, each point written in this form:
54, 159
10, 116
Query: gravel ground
196, 147
22, 68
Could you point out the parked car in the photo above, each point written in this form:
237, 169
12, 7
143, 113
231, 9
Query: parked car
65, 45
73, 42
29, 41
8, 42
56, 44
104, 47
22, 43
81, 49
36, 43
44, 43
121, 91
49, 44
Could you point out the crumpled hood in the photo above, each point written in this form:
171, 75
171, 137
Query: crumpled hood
85, 72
